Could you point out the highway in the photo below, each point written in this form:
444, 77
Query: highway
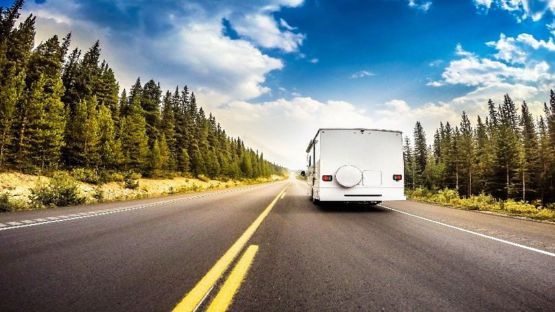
268, 248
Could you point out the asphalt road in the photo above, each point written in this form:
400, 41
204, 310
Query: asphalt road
151, 255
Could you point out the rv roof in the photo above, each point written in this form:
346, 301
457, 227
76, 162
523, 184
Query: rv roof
362, 129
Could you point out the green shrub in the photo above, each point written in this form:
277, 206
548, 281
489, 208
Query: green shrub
203, 178
62, 190
483, 202
5, 205
115, 177
131, 180
98, 194
86, 175
546, 214
519, 207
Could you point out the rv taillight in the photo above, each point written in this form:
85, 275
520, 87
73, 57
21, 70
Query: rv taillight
327, 178
397, 177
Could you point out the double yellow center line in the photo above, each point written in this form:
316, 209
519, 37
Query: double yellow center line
195, 297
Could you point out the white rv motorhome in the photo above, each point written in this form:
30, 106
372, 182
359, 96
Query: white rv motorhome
356, 165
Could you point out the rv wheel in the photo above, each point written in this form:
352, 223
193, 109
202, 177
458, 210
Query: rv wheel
314, 200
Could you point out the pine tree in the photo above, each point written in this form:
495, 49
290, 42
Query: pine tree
506, 151
529, 154
167, 127
545, 155
433, 171
165, 154
10, 93
150, 103
123, 105
467, 153
198, 166
70, 73
48, 136
83, 136
455, 152
420, 153
246, 165
134, 140
409, 164
446, 142
155, 161
30, 112
550, 121
484, 156
15, 52
8, 17
185, 161
110, 146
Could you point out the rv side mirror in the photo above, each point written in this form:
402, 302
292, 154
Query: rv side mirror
303, 173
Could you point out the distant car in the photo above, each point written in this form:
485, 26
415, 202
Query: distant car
355, 165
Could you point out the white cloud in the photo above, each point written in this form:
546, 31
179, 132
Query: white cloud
508, 50
263, 30
536, 44
517, 50
521, 9
209, 52
178, 43
314, 60
459, 51
423, 6
361, 74
285, 25
514, 70
470, 70
295, 121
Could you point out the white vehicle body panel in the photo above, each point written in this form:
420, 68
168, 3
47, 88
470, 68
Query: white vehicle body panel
378, 155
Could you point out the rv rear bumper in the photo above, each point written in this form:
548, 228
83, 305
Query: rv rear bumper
360, 194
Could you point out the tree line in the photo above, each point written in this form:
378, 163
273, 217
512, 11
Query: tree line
63, 110
507, 154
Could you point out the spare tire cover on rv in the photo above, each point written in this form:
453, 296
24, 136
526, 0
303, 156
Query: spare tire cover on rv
348, 176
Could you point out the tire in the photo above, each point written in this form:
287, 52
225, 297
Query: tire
314, 200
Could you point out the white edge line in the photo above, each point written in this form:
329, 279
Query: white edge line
547, 253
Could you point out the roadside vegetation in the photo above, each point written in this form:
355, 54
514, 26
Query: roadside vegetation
25, 192
483, 202
502, 162
64, 119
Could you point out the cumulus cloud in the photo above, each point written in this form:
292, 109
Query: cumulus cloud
178, 42
517, 50
263, 29
471, 70
514, 69
423, 6
521, 9
294, 122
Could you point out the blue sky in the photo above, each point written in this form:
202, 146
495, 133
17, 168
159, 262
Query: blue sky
273, 71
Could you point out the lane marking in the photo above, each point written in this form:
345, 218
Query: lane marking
223, 299
282, 196
196, 295
547, 253
76, 216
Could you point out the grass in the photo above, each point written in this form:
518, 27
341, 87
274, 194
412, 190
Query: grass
20, 191
482, 202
